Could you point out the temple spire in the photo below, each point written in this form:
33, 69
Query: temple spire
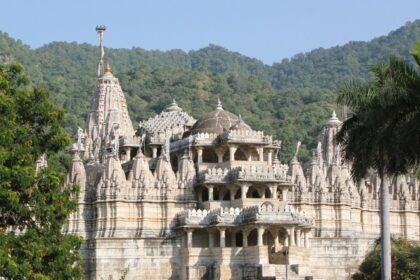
219, 104
100, 29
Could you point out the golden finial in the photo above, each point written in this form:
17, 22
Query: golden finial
108, 69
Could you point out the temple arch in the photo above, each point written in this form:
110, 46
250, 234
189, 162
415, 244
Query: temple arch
209, 155
253, 192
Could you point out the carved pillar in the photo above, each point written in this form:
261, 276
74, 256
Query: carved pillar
245, 234
273, 190
210, 188
189, 237
232, 150
260, 231
260, 153
292, 237
154, 152
297, 237
287, 239
220, 153
275, 234
199, 154
284, 192
270, 157
222, 237
244, 189
306, 238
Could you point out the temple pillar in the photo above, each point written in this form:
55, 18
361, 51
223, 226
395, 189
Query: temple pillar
284, 192
189, 232
260, 231
273, 190
232, 150
260, 153
210, 188
154, 152
199, 154
275, 234
297, 237
292, 237
220, 153
306, 238
222, 237
287, 239
270, 158
244, 189
245, 234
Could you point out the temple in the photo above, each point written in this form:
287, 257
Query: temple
180, 198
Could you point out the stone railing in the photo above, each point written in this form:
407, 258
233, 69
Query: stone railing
205, 136
218, 175
285, 214
244, 173
246, 136
262, 173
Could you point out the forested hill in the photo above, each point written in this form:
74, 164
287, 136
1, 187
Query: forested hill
290, 99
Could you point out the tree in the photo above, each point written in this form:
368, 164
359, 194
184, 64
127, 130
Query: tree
405, 262
33, 204
384, 131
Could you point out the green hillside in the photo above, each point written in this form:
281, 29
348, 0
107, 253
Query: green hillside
290, 100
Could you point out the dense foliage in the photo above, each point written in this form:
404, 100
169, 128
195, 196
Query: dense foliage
405, 262
33, 205
291, 99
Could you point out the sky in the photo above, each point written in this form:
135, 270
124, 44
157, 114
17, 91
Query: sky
269, 30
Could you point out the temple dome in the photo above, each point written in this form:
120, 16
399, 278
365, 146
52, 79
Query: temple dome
216, 122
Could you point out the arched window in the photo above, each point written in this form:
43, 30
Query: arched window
252, 193
216, 193
253, 238
209, 155
240, 155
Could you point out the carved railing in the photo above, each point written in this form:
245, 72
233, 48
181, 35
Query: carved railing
246, 136
285, 214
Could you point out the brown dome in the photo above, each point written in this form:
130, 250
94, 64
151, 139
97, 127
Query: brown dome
217, 121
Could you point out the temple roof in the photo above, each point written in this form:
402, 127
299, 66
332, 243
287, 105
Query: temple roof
172, 120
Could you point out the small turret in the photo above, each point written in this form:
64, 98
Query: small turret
329, 146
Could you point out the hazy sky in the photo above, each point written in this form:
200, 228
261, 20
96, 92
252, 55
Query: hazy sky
267, 30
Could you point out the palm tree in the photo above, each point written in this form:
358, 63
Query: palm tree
384, 132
